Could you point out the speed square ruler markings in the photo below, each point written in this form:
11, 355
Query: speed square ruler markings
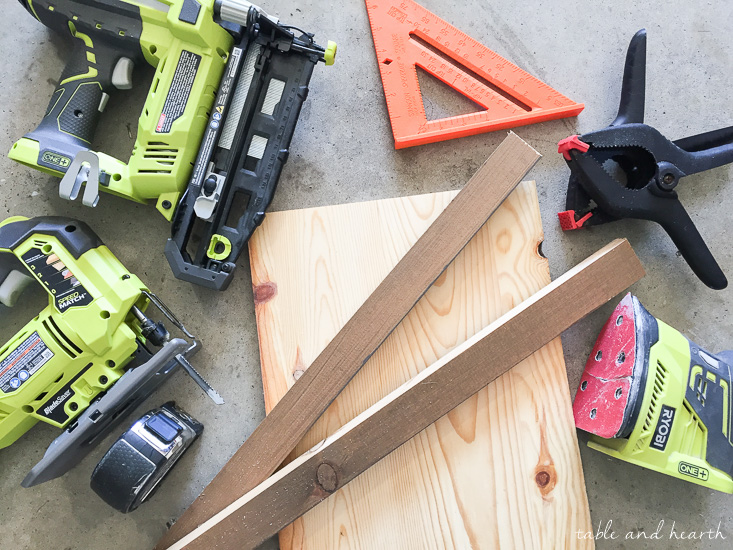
407, 36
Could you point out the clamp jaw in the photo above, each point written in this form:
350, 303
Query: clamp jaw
630, 170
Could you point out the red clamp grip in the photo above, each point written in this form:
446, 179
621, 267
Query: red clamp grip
568, 221
566, 145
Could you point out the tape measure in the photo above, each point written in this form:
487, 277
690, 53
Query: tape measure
138, 461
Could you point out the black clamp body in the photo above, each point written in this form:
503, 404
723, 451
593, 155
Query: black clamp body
132, 469
630, 170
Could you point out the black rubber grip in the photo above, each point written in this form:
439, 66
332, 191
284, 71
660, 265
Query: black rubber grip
102, 32
80, 116
73, 113
74, 105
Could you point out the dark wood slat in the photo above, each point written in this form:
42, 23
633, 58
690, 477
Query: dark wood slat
303, 404
418, 403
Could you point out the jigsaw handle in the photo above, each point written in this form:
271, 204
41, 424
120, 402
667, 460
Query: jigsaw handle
74, 236
13, 279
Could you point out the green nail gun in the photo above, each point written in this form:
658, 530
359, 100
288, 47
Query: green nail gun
217, 123
653, 398
189, 50
92, 355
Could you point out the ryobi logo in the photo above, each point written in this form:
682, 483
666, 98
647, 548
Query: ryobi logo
693, 471
61, 161
663, 429
70, 300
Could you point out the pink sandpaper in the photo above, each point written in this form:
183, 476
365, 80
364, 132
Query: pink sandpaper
603, 393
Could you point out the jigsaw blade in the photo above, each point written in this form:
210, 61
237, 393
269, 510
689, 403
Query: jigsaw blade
202, 383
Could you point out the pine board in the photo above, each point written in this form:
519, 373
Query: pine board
470, 480
277, 436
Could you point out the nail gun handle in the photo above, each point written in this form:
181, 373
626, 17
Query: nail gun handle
74, 110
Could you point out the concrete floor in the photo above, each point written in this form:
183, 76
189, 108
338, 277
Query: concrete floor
343, 152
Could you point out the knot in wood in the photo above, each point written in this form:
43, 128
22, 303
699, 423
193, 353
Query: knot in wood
542, 479
327, 477
264, 292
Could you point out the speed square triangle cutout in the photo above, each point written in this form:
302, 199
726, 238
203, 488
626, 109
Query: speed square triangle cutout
440, 100
407, 36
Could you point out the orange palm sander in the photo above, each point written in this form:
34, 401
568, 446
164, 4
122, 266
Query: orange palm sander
652, 397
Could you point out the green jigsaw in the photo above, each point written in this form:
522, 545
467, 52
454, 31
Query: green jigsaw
93, 354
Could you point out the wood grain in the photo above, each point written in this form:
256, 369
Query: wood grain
324, 262
412, 407
289, 421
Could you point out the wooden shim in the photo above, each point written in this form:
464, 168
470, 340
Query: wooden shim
412, 407
282, 429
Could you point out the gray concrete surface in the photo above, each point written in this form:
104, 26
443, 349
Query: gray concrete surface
343, 152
